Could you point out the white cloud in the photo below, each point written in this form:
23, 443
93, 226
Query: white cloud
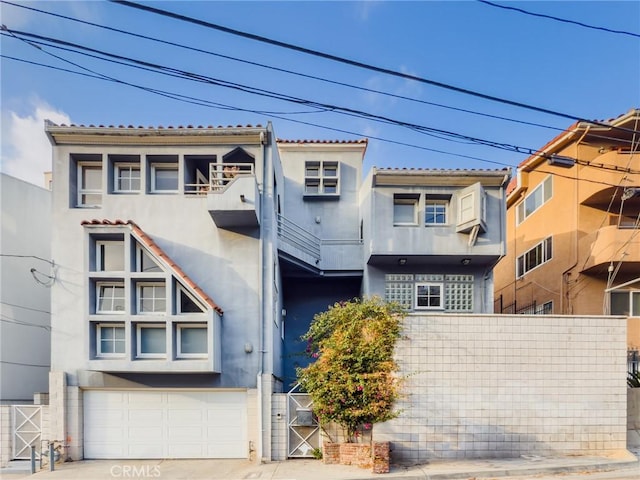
26, 149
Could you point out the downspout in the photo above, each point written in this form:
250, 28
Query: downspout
266, 214
566, 272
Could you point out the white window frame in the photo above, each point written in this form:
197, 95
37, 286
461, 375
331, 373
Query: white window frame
404, 201
130, 167
164, 166
521, 211
100, 254
99, 286
103, 326
428, 285
436, 203
182, 326
88, 191
148, 326
180, 289
316, 177
547, 255
154, 299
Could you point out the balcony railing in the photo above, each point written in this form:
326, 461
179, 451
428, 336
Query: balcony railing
220, 176
299, 238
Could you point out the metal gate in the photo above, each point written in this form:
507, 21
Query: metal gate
26, 430
303, 432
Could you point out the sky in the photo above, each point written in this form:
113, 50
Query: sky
218, 78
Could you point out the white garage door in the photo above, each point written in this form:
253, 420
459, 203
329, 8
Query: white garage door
165, 424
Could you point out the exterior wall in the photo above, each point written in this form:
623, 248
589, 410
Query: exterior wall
504, 386
225, 264
25, 334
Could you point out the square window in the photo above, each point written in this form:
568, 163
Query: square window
127, 178
152, 298
164, 178
312, 170
151, 341
435, 212
312, 187
89, 184
428, 296
110, 256
192, 341
110, 340
405, 210
110, 298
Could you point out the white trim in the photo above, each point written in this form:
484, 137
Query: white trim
120, 284
99, 352
116, 177
85, 191
429, 284
149, 326
154, 299
164, 166
179, 328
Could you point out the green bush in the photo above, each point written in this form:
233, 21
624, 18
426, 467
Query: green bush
353, 381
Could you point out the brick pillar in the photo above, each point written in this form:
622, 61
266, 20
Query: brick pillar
57, 406
380, 457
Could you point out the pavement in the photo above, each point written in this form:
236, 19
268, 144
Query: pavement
526, 466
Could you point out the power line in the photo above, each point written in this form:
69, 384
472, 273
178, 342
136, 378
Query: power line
6, 319
563, 20
438, 133
353, 63
26, 308
283, 70
24, 364
27, 256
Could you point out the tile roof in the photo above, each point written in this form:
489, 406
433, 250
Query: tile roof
442, 170
151, 127
151, 245
360, 140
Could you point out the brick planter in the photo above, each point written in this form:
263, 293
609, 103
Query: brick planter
363, 455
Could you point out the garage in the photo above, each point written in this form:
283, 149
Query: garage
165, 424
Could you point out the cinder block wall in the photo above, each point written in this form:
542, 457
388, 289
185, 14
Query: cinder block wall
483, 386
6, 442
279, 426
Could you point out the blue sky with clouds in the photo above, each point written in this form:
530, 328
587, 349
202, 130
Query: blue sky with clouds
562, 67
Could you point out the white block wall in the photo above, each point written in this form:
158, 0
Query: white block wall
482, 386
279, 427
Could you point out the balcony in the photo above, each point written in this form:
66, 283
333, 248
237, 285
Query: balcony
611, 244
321, 256
232, 193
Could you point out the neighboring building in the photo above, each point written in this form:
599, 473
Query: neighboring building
26, 273
573, 226
192, 259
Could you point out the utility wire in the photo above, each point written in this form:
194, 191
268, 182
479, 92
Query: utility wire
563, 20
24, 364
27, 256
26, 308
283, 70
438, 133
353, 63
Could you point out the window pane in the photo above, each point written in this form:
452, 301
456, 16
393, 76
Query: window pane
91, 178
111, 340
548, 189
152, 340
635, 304
187, 305
435, 213
152, 298
111, 298
330, 171
330, 187
312, 187
91, 199
619, 303
111, 256
193, 340
147, 264
166, 179
128, 179
404, 211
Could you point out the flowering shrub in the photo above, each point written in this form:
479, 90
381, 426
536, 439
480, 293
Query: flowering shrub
352, 381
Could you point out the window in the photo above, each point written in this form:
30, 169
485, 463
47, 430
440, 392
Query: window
538, 197
321, 178
186, 303
471, 209
192, 341
544, 309
110, 340
164, 177
127, 178
466, 208
145, 263
151, 341
435, 212
152, 298
428, 296
625, 302
110, 256
535, 257
89, 184
451, 293
405, 209
110, 298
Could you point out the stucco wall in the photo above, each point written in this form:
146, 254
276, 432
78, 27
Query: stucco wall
503, 386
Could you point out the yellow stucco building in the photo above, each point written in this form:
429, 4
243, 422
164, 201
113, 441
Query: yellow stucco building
573, 226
